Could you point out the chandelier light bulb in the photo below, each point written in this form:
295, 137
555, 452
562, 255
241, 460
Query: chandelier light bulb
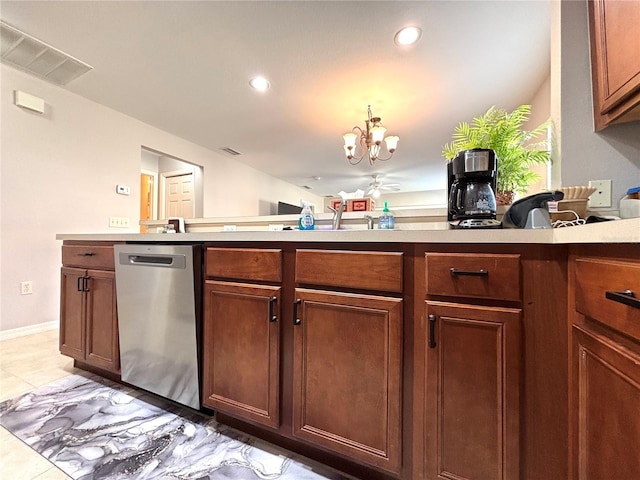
375, 193
375, 151
349, 139
392, 143
377, 134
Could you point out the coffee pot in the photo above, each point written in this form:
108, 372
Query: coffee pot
472, 176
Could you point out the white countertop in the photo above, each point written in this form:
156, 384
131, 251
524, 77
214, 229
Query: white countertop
618, 231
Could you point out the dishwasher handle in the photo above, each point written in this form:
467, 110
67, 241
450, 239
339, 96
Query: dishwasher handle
153, 260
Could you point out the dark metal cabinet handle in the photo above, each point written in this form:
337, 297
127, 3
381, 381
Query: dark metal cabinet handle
432, 331
272, 316
80, 284
86, 254
473, 273
296, 320
627, 297
85, 284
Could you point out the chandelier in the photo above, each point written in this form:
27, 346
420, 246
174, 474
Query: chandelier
369, 140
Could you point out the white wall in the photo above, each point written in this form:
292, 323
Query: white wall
540, 113
58, 174
585, 155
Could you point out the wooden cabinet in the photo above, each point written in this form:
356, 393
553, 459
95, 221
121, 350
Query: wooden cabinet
347, 362
605, 363
328, 382
615, 61
241, 334
88, 315
473, 367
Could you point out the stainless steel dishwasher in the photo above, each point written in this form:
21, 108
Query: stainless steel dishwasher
157, 288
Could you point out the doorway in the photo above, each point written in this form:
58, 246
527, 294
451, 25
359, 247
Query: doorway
148, 197
169, 187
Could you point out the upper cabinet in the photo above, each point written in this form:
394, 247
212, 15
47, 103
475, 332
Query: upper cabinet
615, 61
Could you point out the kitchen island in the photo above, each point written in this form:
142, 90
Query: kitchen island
404, 354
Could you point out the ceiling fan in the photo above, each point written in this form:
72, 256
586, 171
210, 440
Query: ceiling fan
376, 185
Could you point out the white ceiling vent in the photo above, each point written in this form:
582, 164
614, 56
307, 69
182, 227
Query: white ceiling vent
31, 55
230, 151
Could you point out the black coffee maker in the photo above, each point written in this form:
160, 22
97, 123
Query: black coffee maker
472, 180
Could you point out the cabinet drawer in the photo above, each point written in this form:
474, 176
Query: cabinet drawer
598, 283
245, 264
362, 270
474, 275
88, 256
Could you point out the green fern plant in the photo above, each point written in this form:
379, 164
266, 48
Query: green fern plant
517, 149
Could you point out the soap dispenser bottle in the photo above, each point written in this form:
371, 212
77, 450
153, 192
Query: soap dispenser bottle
306, 220
386, 221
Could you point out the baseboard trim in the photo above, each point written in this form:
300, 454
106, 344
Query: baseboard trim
28, 330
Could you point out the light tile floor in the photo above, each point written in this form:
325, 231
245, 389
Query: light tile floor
25, 363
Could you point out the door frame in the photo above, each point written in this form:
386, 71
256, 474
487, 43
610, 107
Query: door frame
163, 183
154, 192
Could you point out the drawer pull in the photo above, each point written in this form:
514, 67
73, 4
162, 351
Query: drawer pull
296, 320
272, 316
86, 254
432, 331
472, 273
627, 297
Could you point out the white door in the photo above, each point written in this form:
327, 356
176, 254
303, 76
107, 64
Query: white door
179, 197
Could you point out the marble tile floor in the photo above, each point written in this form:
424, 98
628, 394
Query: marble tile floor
33, 361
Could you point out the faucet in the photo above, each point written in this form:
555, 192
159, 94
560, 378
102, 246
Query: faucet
369, 220
337, 214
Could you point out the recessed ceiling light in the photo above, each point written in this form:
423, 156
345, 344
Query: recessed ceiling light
407, 36
259, 83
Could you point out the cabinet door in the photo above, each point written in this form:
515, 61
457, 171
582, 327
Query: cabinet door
241, 351
72, 305
605, 406
615, 44
472, 392
347, 375
102, 346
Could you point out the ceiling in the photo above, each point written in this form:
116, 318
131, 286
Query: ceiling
184, 67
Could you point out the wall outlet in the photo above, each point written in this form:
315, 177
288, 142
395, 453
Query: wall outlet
229, 228
602, 196
119, 222
26, 287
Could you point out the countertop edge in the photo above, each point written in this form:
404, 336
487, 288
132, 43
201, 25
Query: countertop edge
619, 231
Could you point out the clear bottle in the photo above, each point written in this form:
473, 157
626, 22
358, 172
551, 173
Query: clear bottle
306, 220
386, 221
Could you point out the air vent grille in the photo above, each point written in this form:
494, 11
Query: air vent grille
230, 151
27, 53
